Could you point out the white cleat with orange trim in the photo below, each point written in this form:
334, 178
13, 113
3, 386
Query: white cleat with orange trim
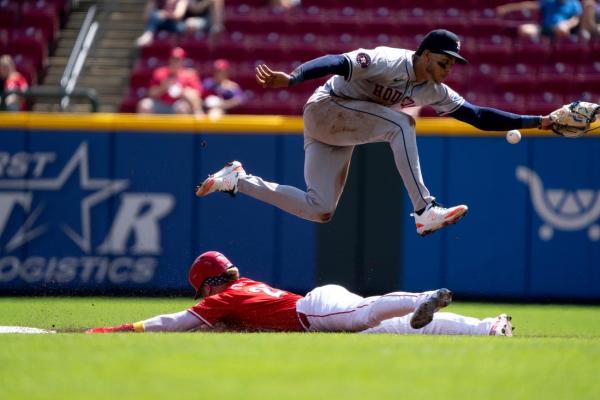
435, 217
224, 180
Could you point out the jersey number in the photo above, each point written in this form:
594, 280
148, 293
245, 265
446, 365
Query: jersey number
266, 290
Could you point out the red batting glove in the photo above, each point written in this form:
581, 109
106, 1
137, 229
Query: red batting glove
112, 329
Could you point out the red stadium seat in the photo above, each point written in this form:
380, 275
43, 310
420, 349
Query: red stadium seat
518, 78
543, 103
480, 77
494, 49
197, 46
63, 7
42, 15
587, 78
249, 3
556, 75
507, 101
140, 78
9, 14
30, 43
161, 46
571, 49
129, 104
4, 35
506, 71
535, 52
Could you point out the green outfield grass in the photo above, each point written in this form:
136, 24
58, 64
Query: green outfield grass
554, 355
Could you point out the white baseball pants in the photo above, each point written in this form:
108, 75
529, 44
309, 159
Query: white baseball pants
444, 323
333, 308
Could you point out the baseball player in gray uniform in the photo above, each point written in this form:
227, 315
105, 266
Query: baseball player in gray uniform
354, 107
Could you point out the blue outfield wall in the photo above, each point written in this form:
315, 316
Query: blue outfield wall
533, 229
85, 212
111, 210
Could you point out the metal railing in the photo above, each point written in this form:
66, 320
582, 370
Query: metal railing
67, 90
78, 56
53, 92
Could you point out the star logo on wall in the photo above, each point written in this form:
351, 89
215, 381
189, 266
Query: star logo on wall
101, 189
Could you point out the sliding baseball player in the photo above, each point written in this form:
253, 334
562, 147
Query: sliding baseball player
231, 302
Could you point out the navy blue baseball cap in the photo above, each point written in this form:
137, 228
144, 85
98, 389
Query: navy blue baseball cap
442, 41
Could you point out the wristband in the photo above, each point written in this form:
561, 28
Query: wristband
531, 121
138, 327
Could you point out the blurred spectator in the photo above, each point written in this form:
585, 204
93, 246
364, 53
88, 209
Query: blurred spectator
590, 19
222, 94
205, 16
287, 4
173, 89
558, 18
163, 15
11, 79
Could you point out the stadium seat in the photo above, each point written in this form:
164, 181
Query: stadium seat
537, 51
29, 43
160, 47
481, 77
556, 75
543, 103
494, 49
129, 104
249, 3
587, 78
571, 49
505, 71
9, 14
42, 15
518, 78
4, 34
507, 101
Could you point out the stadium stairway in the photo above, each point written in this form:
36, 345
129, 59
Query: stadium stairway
109, 61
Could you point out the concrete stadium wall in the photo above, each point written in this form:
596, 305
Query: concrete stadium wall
105, 204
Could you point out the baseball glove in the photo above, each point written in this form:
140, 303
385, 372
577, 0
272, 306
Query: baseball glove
573, 120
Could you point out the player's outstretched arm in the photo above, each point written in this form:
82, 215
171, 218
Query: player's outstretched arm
271, 79
491, 119
313, 69
182, 321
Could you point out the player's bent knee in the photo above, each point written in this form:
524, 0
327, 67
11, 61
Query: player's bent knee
321, 217
320, 212
324, 217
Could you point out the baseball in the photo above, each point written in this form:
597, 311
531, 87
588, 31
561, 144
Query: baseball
513, 136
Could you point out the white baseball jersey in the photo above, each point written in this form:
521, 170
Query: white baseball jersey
386, 76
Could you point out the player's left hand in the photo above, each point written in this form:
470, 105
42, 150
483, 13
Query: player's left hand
271, 79
112, 329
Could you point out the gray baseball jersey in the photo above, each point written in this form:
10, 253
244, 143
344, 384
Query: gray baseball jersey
361, 109
385, 76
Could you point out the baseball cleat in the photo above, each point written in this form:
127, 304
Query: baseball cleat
424, 313
224, 180
435, 217
502, 326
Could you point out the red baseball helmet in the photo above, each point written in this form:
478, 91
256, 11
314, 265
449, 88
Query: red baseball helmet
207, 265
